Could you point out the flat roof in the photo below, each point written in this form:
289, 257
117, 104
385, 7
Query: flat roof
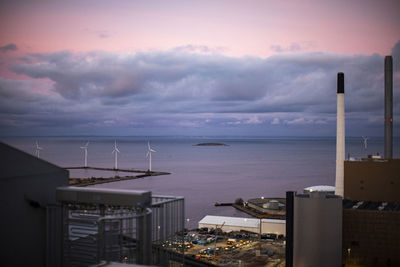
236, 221
322, 188
106, 196
370, 205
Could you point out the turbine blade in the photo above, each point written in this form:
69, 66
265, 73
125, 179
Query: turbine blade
152, 150
117, 150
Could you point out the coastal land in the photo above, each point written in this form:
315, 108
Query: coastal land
102, 180
211, 144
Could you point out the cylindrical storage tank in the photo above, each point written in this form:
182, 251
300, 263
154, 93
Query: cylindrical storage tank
272, 204
317, 230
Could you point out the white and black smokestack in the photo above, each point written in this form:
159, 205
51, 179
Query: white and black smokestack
388, 107
340, 136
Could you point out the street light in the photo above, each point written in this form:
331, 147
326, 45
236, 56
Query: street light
188, 220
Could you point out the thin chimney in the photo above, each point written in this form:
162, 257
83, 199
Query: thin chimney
340, 136
388, 107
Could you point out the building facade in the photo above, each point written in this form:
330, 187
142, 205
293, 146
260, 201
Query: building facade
371, 233
372, 180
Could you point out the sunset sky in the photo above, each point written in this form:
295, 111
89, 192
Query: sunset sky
261, 68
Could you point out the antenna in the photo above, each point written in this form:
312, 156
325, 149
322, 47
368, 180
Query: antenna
85, 148
115, 151
149, 151
38, 148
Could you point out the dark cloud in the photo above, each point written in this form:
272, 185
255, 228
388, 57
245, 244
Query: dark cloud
396, 50
9, 47
178, 88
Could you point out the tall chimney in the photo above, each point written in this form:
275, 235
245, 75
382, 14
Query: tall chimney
340, 137
388, 107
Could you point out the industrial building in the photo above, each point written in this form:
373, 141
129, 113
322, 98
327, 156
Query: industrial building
314, 229
244, 224
372, 180
48, 223
371, 214
371, 233
271, 206
116, 225
27, 200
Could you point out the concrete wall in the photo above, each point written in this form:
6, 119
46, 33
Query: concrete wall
275, 228
372, 180
317, 233
27, 186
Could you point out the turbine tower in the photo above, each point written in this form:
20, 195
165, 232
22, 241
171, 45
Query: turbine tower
149, 151
38, 148
116, 151
365, 142
85, 148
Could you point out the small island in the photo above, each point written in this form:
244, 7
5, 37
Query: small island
211, 144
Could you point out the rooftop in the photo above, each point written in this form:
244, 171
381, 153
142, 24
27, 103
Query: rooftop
236, 221
370, 205
322, 188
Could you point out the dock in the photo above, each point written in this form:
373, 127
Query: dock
258, 214
101, 180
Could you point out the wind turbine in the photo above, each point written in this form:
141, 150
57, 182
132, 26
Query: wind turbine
365, 141
116, 151
149, 151
85, 150
38, 148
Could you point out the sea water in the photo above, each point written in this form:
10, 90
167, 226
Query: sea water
245, 168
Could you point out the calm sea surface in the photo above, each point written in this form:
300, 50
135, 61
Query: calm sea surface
246, 168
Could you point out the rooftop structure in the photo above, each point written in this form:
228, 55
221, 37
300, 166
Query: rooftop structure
320, 188
268, 206
116, 225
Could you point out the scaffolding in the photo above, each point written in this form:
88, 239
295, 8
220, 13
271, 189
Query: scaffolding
106, 225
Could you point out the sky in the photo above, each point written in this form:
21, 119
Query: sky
199, 68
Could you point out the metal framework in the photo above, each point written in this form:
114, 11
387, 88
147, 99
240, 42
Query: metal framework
104, 225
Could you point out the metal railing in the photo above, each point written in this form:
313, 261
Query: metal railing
103, 231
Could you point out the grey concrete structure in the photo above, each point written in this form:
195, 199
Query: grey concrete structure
388, 107
317, 230
29, 215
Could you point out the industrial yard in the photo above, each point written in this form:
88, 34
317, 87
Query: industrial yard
230, 249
